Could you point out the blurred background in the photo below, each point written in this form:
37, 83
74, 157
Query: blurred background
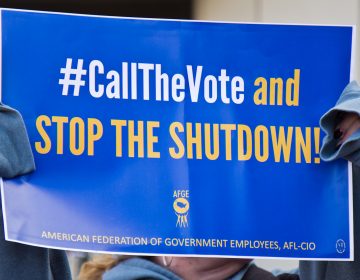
333, 12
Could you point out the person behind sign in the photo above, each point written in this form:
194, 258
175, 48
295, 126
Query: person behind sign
342, 126
110, 267
18, 261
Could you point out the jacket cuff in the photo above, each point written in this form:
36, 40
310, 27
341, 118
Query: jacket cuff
16, 157
349, 101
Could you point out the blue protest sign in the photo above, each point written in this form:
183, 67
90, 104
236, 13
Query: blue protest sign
176, 137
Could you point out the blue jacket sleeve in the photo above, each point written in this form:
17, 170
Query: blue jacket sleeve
349, 101
16, 157
18, 261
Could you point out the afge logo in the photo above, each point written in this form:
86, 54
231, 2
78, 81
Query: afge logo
181, 207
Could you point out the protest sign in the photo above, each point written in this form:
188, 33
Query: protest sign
176, 137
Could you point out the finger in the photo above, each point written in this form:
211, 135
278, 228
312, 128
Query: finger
347, 133
346, 122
